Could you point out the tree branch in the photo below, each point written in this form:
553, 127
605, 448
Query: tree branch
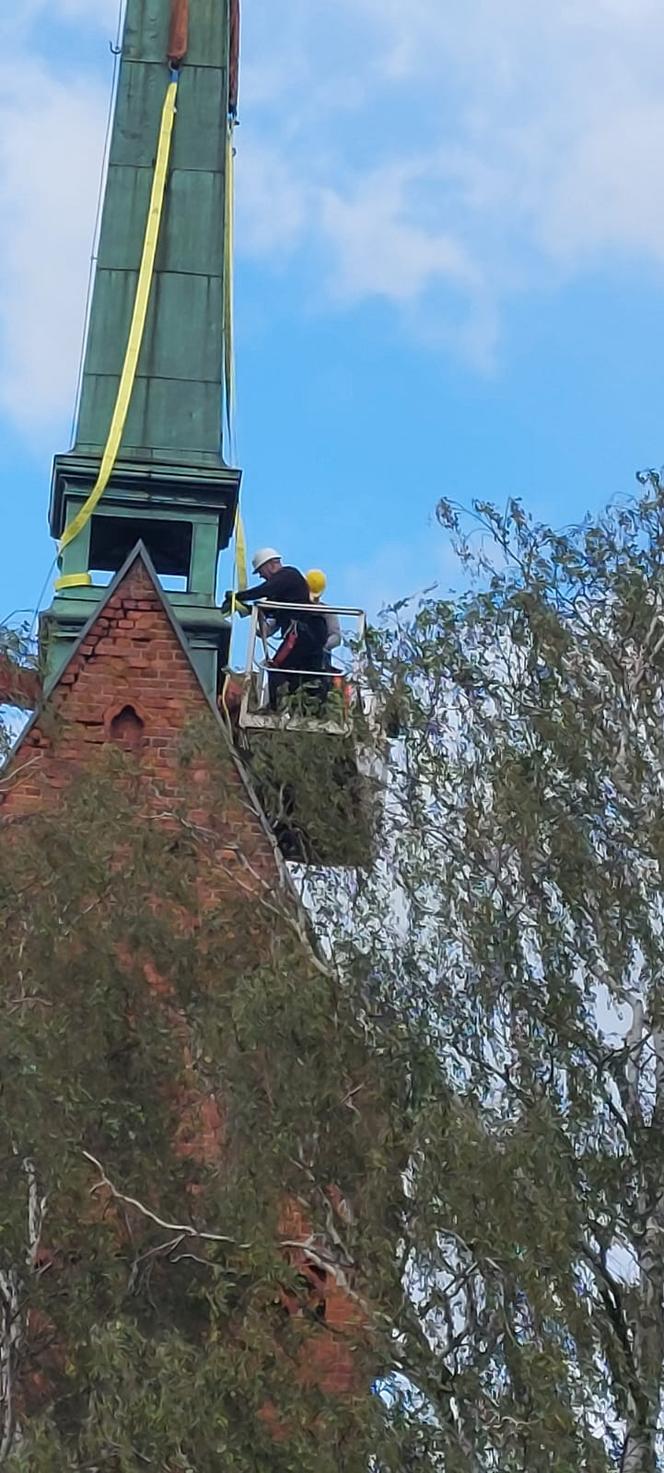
186, 1230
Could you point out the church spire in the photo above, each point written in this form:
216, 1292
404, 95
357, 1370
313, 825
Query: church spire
170, 485
176, 411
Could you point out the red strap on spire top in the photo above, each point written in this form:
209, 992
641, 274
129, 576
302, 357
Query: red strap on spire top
234, 69
178, 40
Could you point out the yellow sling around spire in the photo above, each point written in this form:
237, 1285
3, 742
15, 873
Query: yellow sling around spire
137, 329
229, 271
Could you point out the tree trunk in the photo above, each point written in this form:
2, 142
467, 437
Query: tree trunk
647, 1330
639, 1452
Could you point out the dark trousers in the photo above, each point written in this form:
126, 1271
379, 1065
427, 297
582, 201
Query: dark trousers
301, 652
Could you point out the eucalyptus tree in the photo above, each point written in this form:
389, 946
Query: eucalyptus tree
466, 1039
515, 927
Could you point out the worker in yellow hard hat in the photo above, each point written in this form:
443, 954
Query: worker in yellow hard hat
317, 582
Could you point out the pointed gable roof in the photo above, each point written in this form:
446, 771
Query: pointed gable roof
118, 630
130, 680
139, 559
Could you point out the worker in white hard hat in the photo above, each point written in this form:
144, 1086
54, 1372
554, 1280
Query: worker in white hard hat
304, 634
279, 584
317, 582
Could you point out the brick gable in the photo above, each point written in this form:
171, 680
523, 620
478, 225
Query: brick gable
130, 683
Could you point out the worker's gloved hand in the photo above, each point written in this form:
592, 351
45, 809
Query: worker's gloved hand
230, 605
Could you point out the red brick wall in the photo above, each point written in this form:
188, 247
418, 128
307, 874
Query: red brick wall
132, 658
130, 683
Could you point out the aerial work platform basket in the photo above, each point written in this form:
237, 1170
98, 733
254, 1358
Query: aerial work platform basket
323, 702
312, 739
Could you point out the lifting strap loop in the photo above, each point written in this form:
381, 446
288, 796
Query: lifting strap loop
73, 580
241, 573
234, 60
178, 39
240, 581
139, 318
229, 302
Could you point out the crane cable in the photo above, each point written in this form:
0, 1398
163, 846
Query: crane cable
136, 332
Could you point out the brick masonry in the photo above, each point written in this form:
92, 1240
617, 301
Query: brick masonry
130, 683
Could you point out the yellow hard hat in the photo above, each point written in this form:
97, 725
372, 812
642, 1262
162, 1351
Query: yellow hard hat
317, 581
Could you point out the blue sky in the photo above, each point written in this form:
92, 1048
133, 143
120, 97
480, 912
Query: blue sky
449, 275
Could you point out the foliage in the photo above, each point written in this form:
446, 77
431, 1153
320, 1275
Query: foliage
473, 1055
315, 813
16, 654
515, 927
132, 1339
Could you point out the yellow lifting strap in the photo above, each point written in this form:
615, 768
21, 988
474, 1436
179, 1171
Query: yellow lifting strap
241, 573
229, 270
75, 580
240, 580
139, 318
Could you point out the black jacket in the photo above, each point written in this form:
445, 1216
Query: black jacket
286, 586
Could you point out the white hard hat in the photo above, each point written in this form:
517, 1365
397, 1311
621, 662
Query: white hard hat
265, 555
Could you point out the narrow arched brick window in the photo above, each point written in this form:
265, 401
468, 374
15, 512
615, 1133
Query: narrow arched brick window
127, 729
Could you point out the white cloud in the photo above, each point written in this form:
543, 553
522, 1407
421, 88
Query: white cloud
52, 124
266, 176
405, 569
484, 148
610, 196
379, 249
49, 166
438, 157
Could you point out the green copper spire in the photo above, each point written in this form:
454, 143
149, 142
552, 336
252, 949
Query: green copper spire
170, 486
176, 410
